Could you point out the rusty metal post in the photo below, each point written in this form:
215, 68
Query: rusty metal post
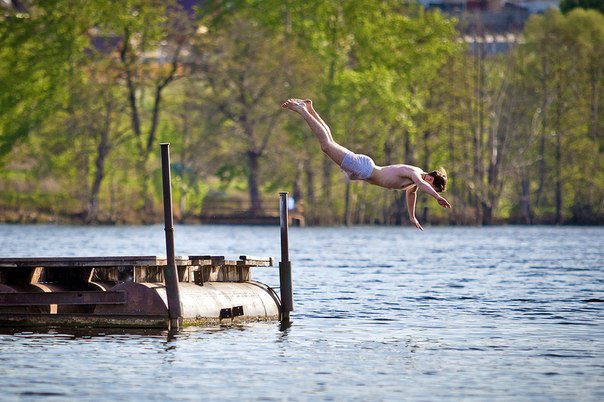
170, 271
285, 267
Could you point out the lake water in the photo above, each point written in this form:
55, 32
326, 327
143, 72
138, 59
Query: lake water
381, 313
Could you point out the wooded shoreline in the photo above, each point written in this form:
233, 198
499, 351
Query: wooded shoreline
45, 217
91, 89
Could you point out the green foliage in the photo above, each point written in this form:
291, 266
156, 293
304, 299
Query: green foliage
519, 133
38, 53
569, 92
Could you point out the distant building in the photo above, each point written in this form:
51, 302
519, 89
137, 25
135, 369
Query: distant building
491, 16
495, 25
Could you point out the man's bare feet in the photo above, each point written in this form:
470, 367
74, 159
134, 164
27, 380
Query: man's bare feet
297, 105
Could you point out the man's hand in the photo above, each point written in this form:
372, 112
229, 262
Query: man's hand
416, 223
443, 202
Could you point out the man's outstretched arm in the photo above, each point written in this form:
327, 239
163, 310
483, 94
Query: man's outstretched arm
411, 198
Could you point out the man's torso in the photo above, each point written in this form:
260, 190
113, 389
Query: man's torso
396, 177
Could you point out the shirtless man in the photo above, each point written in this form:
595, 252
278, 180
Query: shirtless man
362, 167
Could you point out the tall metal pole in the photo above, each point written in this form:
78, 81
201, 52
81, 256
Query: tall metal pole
285, 267
170, 272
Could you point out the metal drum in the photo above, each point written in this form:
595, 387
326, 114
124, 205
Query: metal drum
212, 302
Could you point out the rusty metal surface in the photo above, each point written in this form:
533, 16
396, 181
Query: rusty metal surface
170, 270
285, 281
257, 299
14, 289
77, 297
83, 320
285, 268
146, 306
141, 299
65, 291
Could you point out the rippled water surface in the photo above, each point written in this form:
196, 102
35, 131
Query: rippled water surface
486, 314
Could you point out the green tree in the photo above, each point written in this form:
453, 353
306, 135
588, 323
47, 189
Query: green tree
247, 71
40, 45
97, 112
585, 31
566, 49
569, 5
154, 35
372, 56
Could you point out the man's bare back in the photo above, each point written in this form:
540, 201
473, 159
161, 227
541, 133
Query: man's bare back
397, 177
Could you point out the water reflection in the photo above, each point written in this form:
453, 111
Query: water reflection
84, 333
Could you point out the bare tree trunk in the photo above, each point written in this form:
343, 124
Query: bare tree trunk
99, 175
489, 199
184, 160
310, 190
392, 208
558, 180
427, 135
525, 199
544, 105
594, 125
497, 136
145, 145
326, 215
328, 164
558, 156
99, 172
255, 202
478, 133
297, 192
347, 212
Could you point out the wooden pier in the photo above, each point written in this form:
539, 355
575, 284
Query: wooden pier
129, 291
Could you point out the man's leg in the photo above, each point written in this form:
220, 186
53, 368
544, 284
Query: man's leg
314, 113
331, 148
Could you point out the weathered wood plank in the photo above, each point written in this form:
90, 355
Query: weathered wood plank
78, 262
219, 260
200, 260
203, 257
93, 262
125, 268
222, 274
220, 263
255, 261
253, 258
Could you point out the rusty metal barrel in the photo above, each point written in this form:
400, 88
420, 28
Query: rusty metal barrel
214, 302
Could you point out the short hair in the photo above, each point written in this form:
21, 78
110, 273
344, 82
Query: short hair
440, 179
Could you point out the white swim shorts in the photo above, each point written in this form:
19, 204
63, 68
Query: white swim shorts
357, 166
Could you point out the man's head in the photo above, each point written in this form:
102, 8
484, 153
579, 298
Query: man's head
439, 179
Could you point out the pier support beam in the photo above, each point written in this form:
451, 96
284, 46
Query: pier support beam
285, 267
170, 272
